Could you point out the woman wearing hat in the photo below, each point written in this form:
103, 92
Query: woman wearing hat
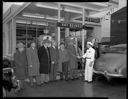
20, 61
90, 57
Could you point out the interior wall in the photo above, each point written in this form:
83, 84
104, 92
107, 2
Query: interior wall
97, 32
105, 27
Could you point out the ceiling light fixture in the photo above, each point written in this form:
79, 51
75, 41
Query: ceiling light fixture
37, 23
33, 15
56, 8
51, 18
34, 23
99, 4
40, 16
23, 21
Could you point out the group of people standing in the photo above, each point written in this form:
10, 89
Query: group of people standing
48, 62
45, 63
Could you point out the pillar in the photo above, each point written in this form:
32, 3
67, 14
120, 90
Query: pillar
83, 21
5, 39
67, 20
58, 28
13, 36
84, 32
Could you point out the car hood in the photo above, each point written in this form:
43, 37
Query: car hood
110, 62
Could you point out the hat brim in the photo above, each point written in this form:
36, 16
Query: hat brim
88, 43
20, 46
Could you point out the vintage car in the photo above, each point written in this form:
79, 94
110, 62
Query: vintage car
112, 63
9, 79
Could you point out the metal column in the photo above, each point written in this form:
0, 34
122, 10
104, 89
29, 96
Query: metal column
58, 28
13, 42
83, 21
6, 27
26, 34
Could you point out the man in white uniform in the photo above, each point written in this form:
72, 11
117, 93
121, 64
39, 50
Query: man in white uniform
90, 57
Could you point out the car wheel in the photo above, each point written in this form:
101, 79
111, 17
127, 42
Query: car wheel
95, 77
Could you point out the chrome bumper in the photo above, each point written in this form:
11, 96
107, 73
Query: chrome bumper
105, 73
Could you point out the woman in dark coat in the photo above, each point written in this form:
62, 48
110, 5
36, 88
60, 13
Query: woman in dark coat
20, 61
44, 59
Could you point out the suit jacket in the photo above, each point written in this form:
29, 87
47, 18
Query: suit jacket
33, 60
44, 59
54, 54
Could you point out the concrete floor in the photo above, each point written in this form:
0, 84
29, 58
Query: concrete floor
115, 89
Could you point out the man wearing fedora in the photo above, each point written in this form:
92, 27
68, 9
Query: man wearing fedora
90, 57
44, 59
54, 60
33, 64
20, 61
72, 59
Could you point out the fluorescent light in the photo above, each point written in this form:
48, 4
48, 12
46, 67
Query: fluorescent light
46, 6
40, 16
33, 16
34, 23
100, 4
73, 11
51, 18
11, 3
100, 14
23, 22
56, 8
37, 23
18, 3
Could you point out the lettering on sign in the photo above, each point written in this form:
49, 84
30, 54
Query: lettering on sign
73, 25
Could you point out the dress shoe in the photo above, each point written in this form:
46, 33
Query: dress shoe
67, 79
89, 81
32, 85
46, 82
84, 80
39, 84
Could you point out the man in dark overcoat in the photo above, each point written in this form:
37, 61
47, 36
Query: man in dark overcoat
44, 59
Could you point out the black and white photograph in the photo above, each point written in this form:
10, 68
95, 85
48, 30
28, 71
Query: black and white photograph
64, 49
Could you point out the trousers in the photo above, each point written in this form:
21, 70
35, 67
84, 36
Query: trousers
44, 78
88, 71
64, 73
37, 77
53, 72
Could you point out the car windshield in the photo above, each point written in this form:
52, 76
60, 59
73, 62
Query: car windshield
117, 49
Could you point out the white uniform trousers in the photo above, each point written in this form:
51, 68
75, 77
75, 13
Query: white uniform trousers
88, 71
